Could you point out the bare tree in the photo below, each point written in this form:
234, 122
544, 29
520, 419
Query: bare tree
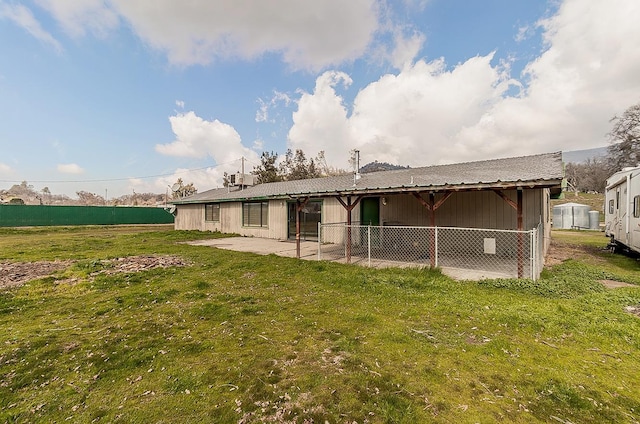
573, 175
87, 198
46, 193
588, 176
625, 138
323, 167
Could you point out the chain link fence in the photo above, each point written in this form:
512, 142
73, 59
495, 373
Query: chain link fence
503, 253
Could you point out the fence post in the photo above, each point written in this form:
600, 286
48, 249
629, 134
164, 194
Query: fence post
436, 246
348, 254
319, 241
369, 243
534, 254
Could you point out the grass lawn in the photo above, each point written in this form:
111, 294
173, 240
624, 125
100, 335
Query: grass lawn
232, 337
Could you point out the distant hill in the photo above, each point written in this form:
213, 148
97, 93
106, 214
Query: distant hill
581, 156
380, 166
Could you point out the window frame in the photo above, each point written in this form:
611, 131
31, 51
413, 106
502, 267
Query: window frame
212, 212
255, 214
636, 206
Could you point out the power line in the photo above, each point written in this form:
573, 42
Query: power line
118, 179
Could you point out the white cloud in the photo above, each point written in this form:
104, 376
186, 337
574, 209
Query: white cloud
263, 112
199, 138
524, 32
428, 113
588, 73
180, 104
78, 17
308, 35
408, 118
321, 121
70, 168
23, 17
406, 49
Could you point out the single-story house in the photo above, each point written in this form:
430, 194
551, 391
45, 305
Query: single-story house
502, 194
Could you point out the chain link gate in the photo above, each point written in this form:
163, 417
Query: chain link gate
508, 253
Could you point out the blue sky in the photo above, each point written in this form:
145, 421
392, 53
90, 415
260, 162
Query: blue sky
124, 95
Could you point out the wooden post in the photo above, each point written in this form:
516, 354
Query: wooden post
349, 207
432, 236
432, 206
518, 207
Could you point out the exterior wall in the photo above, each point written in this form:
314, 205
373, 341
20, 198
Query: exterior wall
334, 212
190, 217
473, 209
231, 221
470, 209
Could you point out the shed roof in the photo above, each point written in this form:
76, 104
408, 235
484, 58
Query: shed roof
536, 171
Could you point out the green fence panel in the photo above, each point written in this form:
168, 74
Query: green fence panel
43, 215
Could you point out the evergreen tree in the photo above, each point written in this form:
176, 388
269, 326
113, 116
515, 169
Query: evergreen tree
267, 171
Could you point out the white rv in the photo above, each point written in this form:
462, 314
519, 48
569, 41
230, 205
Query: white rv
622, 209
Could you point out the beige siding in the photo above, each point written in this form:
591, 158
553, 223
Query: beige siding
333, 211
278, 223
190, 217
473, 209
231, 221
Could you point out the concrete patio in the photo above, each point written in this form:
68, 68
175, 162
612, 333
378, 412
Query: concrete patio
309, 251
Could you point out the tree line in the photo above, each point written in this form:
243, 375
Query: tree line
292, 166
25, 193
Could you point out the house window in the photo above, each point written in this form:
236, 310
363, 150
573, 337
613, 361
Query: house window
212, 212
255, 214
636, 207
611, 206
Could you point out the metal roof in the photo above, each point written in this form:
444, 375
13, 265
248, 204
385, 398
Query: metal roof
544, 170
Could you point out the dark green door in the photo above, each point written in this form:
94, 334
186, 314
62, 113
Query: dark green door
370, 211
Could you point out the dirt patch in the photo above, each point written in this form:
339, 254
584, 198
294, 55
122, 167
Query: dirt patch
612, 284
560, 252
139, 263
634, 310
14, 274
